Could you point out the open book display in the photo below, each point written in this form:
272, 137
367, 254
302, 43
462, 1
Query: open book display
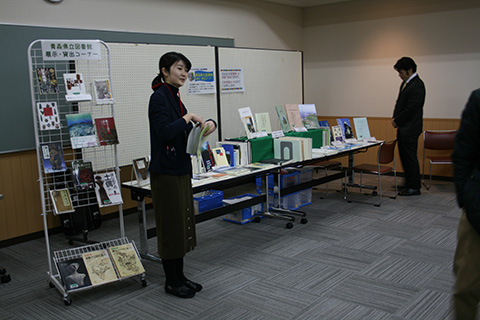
248, 123
308, 114
75, 87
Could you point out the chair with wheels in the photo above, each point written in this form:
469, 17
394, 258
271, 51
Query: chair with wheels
385, 156
440, 140
325, 166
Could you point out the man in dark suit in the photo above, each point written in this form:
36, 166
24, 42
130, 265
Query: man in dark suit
408, 120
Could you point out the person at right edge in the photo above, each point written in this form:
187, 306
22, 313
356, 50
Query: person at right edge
408, 120
466, 175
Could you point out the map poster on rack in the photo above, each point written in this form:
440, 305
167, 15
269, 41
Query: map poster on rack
201, 81
231, 80
58, 50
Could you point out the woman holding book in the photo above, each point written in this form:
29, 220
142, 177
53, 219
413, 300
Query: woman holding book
170, 171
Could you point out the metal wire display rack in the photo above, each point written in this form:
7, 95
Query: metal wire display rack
49, 61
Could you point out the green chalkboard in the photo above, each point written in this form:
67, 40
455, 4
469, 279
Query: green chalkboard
16, 123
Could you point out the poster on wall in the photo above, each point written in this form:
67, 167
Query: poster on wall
201, 81
231, 80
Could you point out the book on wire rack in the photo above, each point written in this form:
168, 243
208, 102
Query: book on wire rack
125, 260
99, 267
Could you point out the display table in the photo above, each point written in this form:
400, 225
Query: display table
138, 193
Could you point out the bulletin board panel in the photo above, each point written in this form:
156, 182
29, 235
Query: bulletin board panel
133, 68
271, 77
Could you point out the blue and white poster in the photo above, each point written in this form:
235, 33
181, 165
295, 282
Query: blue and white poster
201, 81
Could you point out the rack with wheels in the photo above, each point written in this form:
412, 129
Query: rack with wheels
76, 253
55, 68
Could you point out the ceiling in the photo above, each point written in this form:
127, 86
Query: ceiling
305, 3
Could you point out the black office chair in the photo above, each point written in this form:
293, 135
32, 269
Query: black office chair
4, 277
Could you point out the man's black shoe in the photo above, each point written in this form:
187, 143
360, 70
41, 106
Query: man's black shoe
402, 187
182, 291
410, 192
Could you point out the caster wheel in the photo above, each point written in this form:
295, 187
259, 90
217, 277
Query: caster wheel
144, 283
374, 193
289, 225
70, 242
67, 301
303, 220
257, 219
5, 278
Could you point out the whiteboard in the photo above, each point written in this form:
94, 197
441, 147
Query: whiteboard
271, 78
133, 68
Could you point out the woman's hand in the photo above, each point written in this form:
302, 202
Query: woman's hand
193, 117
211, 127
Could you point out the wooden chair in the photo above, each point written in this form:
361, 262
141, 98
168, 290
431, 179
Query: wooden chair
437, 140
385, 155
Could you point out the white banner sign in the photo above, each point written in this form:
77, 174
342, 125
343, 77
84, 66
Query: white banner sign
56, 50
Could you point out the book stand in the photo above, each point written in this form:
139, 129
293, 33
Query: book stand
49, 61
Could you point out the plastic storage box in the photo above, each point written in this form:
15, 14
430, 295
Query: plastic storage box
207, 200
245, 215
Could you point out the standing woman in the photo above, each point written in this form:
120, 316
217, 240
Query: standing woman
170, 172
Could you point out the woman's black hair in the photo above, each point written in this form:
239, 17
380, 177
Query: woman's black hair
167, 61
